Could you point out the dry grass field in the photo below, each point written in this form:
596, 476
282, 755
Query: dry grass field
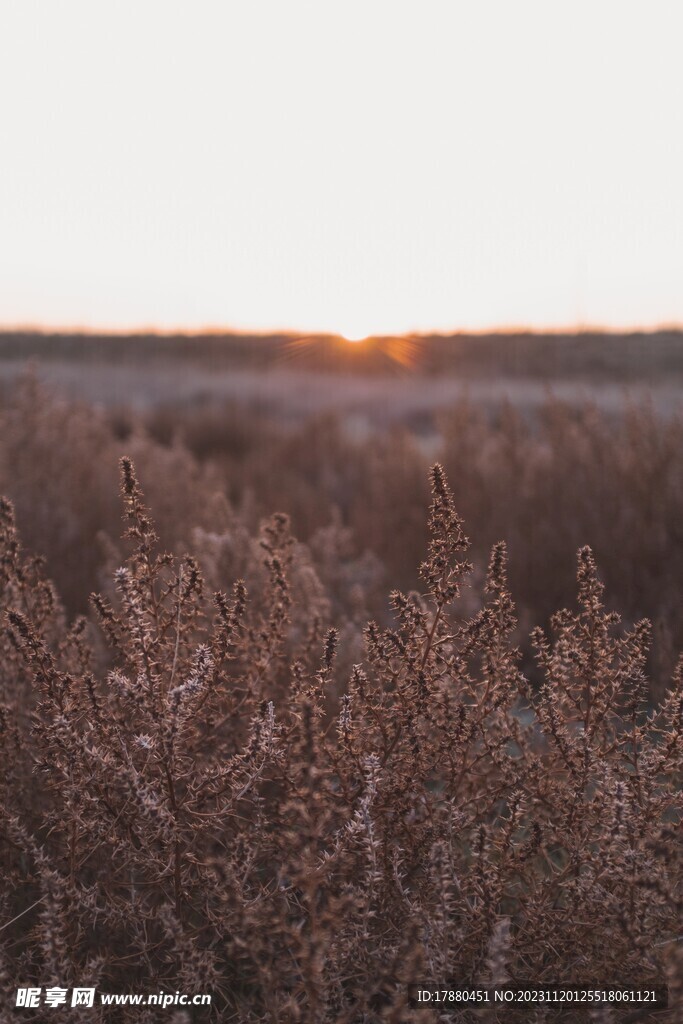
380, 686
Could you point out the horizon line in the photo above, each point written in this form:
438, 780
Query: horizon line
208, 330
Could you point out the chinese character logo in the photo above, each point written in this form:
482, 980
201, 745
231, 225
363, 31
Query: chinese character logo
28, 997
83, 997
55, 996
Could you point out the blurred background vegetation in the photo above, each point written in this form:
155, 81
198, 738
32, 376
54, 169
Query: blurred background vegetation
549, 442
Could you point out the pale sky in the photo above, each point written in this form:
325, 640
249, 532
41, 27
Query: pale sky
353, 167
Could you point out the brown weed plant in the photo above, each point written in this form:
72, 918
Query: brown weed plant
199, 798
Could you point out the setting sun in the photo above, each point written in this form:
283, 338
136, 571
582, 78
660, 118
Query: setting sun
354, 336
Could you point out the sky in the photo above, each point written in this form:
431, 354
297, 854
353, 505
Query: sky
357, 167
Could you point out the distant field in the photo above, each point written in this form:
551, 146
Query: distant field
587, 355
374, 383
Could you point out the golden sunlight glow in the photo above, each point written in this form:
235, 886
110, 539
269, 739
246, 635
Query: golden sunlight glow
485, 165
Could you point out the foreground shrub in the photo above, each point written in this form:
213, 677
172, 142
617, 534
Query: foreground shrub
200, 797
